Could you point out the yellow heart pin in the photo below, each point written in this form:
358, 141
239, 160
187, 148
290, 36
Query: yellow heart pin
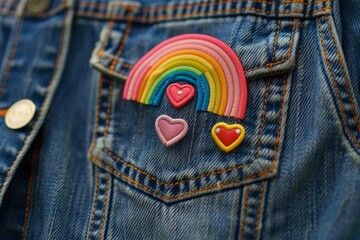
228, 136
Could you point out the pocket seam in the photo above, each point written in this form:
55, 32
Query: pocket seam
344, 73
108, 118
256, 175
123, 64
272, 64
335, 83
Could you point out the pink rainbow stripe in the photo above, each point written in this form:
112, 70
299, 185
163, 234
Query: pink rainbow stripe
222, 53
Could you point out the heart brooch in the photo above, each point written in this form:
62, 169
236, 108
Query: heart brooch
170, 130
181, 66
227, 136
180, 94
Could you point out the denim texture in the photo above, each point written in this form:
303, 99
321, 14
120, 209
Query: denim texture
90, 165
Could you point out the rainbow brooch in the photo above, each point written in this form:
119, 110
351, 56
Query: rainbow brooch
207, 66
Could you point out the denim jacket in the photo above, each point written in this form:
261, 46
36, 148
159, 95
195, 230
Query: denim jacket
90, 165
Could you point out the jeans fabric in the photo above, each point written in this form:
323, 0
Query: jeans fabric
90, 165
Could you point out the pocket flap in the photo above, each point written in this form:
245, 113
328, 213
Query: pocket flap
265, 47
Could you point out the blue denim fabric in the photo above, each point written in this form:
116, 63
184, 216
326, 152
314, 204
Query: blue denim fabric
90, 165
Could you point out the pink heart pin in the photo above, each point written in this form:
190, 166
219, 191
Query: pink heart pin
170, 130
180, 94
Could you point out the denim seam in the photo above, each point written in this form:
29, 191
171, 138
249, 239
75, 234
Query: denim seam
28, 197
123, 64
252, 210
122, 45
105, 205
236, 11
109, 106
262, 119
124, 177
336, 88
245, 210
97, 114
274, 46
175, 183
202, 4
100, 108
6, 73
100, 53
272, 64
344, 73
105, 7
258, 213
267, 171
99, 105
99, 208
97, 177
50, 85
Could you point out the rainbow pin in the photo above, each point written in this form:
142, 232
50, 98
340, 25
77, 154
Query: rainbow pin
202, 61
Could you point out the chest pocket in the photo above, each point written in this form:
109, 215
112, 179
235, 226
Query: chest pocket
126, 141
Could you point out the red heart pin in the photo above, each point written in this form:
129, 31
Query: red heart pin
228, 137
180, 94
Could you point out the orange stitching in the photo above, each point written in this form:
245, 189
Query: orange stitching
108, 167
267, 65
94, 5
111, 169
118, 71
179, 182
128, 65
162, 17
200, 4
126, 7
28, 193
259, 208
92, 14
280, 118
3, 112
42, 108
204, 188
159, 18
343, 115
292, 38
345, 75
283, 60
107, 34
245, 210
95, 202
105, 203
122, 45
120, 63
209, 174
272, 64
274, 47
97, 112
108, 113
11, 57
262, 119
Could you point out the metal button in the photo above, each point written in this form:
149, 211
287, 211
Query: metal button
36, 7
20, 114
